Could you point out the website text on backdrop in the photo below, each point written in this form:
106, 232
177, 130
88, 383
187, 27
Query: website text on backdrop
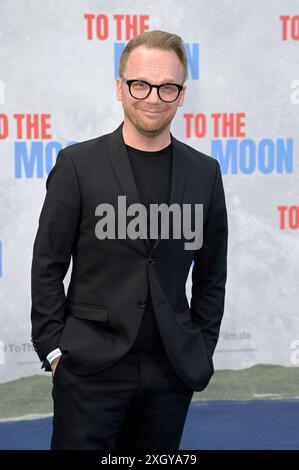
125, 348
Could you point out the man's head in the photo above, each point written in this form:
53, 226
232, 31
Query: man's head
156, 57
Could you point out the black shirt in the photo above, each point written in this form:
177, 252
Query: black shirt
152, 173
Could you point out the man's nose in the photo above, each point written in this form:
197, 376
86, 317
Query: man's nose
153, 97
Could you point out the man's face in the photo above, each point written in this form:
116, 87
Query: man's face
151, 115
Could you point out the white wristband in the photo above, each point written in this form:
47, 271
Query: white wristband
54, 354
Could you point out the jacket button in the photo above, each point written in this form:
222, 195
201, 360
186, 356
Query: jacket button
141, 303
151, 260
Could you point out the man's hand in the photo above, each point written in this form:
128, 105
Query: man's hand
54, 365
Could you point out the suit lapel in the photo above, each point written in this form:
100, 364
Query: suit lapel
121, 165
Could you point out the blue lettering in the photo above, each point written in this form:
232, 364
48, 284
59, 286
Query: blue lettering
247, 156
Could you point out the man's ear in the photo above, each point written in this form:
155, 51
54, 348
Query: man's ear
182, 95
118, 89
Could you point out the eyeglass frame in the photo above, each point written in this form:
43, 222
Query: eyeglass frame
129, 83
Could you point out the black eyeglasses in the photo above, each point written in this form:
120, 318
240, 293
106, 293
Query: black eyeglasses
140, 89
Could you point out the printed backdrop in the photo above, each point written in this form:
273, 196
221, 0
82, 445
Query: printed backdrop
58, 64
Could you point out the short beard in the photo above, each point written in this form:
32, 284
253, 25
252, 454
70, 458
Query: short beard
148, 132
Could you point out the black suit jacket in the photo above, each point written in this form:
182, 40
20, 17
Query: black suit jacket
96, 322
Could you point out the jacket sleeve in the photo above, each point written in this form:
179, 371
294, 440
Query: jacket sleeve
210, 268
52, 249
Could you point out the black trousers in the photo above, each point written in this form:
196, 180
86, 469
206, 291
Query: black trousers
131, 406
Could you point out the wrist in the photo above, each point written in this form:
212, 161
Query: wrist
55, 362
56, 353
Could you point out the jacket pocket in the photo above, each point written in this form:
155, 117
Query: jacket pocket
184, 316
57, 369
95, 313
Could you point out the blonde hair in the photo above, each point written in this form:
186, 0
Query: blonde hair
155, 40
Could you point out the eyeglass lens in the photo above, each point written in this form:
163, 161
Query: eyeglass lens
141, 90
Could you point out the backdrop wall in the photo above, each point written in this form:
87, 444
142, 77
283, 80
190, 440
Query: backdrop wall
58, 64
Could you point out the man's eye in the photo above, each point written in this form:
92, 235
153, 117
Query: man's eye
139, 85
169, 88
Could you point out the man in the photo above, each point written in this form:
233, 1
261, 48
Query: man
125, 348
